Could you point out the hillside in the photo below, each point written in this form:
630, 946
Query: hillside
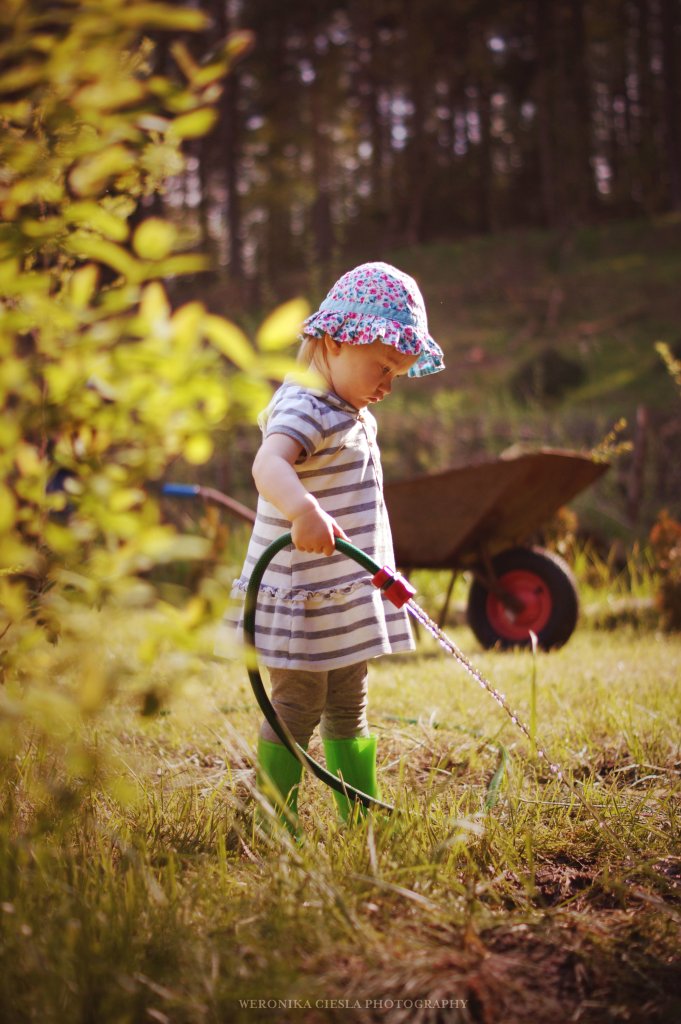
584, 310
550, 341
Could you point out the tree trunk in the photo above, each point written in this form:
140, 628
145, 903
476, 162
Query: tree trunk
375, 119
322, 221
485, 204
232, 123
581, 128
637, 472
545, 50
671, 25
418, 164
229, 136
646, 157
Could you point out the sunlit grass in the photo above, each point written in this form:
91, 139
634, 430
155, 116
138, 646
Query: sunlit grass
148, 890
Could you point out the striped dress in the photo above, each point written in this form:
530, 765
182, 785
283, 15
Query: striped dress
316, 612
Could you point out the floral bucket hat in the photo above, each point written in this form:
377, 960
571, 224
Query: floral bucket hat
375, 301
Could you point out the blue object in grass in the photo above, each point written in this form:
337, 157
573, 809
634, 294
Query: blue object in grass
181, 490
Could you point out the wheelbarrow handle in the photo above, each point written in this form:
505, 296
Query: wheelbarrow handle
181, 490
209, 494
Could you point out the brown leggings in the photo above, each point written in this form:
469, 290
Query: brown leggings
337, 698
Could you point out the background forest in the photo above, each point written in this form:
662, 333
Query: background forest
356, 126
521, 159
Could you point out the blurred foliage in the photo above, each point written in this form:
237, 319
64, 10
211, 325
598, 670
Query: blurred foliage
672, 364
103, 383
611, 445
548, 375
665, 538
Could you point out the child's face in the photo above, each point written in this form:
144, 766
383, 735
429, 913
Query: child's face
362, 374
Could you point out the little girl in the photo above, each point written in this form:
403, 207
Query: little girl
318, 474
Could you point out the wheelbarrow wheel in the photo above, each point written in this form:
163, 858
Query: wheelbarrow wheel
543, 584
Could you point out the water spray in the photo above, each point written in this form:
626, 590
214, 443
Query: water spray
399, 592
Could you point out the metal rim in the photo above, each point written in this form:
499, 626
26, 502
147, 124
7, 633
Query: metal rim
537, 600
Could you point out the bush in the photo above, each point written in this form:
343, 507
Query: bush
665, 538
546, 377
103, 383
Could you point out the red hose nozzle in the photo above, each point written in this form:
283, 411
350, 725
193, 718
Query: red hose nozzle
394, 586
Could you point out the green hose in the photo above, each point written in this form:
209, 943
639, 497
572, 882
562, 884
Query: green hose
261, 696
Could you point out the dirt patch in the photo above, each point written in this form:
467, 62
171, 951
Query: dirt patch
562, 879
619, 967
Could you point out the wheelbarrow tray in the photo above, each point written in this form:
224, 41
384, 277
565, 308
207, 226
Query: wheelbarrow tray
445, 520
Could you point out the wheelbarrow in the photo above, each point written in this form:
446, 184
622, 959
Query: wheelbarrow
477, 518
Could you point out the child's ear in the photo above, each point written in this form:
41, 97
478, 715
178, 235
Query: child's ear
331, 346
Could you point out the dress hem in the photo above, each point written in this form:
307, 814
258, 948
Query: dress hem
301, 596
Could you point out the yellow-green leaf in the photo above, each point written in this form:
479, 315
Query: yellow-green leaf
126, 498
184, 59
7, 509
198, 449
14, 375
208, 74
107, 95
95, 217
187, 323
19, 112
83, 284
154, 239
281, 327
91, 247
90, 175
183, 263
29, 461
21, 77
35, 190
12, 599
229, 340
193, 125
154, 307
238, 44
187, 548
59, 538
42, 227
164, 16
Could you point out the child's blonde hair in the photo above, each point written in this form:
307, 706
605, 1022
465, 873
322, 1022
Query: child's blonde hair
312, 352
306, 350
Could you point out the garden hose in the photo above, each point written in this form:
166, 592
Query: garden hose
400, 592
385, 579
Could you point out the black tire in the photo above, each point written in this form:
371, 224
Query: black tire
544, 581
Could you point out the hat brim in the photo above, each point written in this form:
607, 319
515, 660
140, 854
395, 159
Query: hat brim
365, 328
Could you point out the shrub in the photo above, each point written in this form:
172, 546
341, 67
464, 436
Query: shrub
546, 377
103, 383
665, 538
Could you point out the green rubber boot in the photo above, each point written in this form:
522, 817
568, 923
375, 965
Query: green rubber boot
278, 777
353, 760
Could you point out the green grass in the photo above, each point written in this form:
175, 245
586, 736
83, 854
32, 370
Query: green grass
599, 296
134, 885
602, 296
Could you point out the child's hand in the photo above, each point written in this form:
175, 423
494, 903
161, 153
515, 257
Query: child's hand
314, 530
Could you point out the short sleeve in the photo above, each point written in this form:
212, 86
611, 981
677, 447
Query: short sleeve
298, 415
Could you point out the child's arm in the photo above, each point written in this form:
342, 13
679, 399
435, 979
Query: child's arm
312, 528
